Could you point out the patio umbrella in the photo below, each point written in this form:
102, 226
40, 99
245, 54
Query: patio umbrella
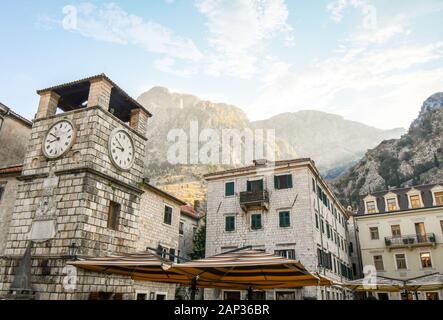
144, 266
429, 282
377, 283
248, 268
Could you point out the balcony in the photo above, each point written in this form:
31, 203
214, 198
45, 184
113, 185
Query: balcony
410, 241
254, 200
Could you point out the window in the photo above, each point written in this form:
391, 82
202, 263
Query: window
374, 233
351, 247
285, 219
391, 204
441, 225
180, 227
316, 222
285, 295
283, 182
328, 230
313, 185
378, 263
229, 189
395, 229
288, 254
230, 223
370, 205
425, 258
438, 198
400, 260
254, 186
322, 226
172, 254
431, 295
113, 215
415, 201
231, 295
168, 215
256, 222
160, 296
141, 296
383, 296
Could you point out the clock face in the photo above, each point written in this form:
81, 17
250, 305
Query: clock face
58, 139
121, 149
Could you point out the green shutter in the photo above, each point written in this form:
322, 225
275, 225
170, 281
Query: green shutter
248, 186
290, 181
276, 183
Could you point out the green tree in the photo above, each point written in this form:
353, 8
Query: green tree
436, 162
199, 242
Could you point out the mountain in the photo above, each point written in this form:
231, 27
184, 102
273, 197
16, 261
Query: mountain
415, 158
332, 141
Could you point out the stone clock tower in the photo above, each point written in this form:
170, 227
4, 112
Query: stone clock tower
80, 188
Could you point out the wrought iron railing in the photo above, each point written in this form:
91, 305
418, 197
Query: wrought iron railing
409, 240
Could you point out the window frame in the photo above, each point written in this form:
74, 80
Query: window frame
280, 212
181, 229
252, 224
164, 215
380, 261
370, 233
226, 223
421, 261
399, 230
233, 191
374, 210
113, 218
289, 181
396, 261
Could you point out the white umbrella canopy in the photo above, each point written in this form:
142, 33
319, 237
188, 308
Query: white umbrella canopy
376, 283
426, 283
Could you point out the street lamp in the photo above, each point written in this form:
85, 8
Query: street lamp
72, 251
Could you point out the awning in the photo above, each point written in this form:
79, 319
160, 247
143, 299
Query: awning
246, 268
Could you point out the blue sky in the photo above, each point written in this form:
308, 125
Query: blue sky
369, 61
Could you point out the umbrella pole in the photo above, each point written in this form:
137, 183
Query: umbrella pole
416, 295
193, 288
250, 293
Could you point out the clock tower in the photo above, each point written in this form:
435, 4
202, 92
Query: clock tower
80, 188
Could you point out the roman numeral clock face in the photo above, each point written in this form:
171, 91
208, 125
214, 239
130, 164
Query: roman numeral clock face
58, 139
121, 149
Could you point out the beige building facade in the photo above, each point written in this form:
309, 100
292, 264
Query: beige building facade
284, 208
400, 233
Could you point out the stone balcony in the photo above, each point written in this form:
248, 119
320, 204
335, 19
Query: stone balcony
251, 200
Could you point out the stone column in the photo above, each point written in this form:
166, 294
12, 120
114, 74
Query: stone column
48, 104
139, 121
100, 93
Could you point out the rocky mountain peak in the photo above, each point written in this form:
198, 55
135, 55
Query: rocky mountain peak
433, 102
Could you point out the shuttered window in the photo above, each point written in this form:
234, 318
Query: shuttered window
283, 182
167, 215
229, 189
284, 219
113, 215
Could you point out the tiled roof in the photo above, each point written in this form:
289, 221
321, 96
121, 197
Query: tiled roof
191, 212
11, 169
8, 111
402, 197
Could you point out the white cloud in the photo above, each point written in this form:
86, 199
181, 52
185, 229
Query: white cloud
168, 65
337, 8
112, 24
360, 83
239, 32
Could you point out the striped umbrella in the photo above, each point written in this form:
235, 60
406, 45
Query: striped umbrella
246, 268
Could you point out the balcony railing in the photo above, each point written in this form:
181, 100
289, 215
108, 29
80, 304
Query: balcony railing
414, 240
254, 199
